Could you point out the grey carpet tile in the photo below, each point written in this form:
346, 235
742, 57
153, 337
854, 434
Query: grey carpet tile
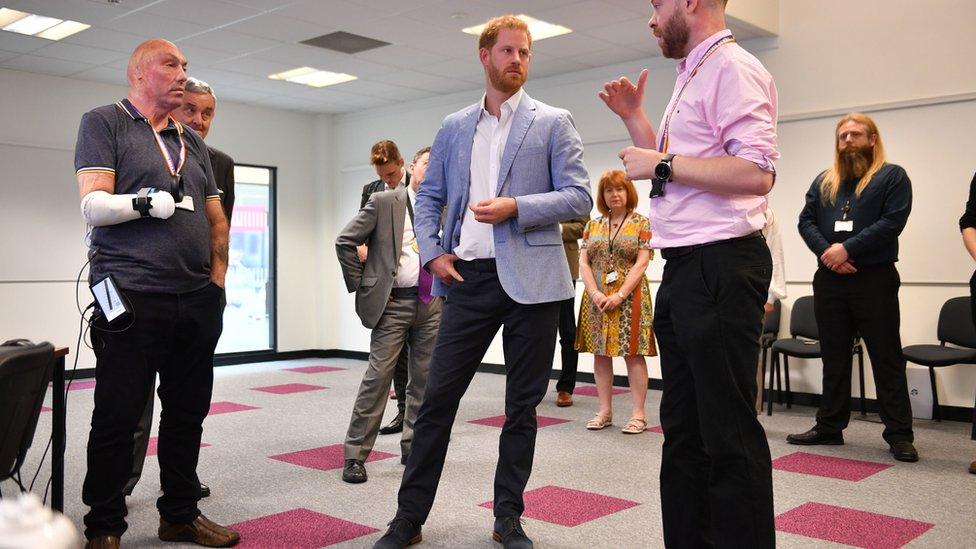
247, 484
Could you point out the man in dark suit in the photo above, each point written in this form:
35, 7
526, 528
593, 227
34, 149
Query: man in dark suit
394, 300
199, 103
386, 159
572, 231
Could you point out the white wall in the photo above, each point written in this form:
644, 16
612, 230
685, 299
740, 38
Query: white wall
42, 230
913, 72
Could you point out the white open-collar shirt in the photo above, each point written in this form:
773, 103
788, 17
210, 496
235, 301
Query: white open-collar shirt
477, 239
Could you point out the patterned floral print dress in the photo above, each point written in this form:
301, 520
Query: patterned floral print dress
626, 330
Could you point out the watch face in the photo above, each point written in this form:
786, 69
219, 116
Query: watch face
662, 171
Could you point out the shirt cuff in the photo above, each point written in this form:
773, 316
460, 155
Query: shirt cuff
734, 147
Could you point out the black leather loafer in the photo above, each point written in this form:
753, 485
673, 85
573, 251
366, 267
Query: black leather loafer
354, 471
903, 450
814, 437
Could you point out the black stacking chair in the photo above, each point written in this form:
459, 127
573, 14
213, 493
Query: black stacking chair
955, 327
25, 369
770, 333
804, 342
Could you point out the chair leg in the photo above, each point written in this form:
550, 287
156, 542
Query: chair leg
972, 435
779, 381
860, 373
936, 414
773, 366
786, 375
762, 377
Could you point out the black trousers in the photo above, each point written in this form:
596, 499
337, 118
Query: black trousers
400, 375
716, 472
864, 303
174, 336
567, 345
473, 312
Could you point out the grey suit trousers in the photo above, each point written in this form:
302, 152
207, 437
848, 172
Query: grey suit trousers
406, 320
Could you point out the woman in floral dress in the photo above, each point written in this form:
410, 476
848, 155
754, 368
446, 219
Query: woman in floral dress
615, 314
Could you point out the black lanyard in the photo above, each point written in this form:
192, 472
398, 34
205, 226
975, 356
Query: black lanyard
614, 236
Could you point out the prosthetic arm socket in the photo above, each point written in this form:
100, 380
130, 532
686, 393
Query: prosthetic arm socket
100, 208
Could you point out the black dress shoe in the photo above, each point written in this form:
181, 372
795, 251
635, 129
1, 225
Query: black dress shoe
508, 531
354, 471
814, 437
401, 533
404, 458
204, 490
903, 450
395, 426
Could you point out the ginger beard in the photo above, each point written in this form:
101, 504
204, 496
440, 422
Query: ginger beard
507, 80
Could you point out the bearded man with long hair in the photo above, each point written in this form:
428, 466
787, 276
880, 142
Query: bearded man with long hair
854, 213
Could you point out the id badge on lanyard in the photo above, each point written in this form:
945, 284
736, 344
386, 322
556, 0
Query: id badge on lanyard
844, 225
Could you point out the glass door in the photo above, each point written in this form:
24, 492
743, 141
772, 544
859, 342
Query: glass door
249, 319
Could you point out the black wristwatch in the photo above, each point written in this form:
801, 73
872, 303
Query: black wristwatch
662, 174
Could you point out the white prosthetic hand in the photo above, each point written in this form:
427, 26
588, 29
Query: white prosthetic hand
100, 208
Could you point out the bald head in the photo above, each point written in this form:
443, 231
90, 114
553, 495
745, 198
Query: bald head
157, 73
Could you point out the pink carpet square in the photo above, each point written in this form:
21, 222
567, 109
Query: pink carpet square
46, 409
499, 421
228, 407
298, 529
315, 369
656, 429
79, 384
567, 507
827, 466
289, 388
590, 391
325, 458
152, 449
850, 526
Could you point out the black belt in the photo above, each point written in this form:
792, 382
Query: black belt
486, 265
404, 292
678, 251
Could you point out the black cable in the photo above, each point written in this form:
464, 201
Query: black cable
83, 326
50, 439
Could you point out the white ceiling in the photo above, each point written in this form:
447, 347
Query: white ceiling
235, 44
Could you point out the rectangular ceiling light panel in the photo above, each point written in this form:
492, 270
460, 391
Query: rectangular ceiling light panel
30, 24
312, 77
540, 30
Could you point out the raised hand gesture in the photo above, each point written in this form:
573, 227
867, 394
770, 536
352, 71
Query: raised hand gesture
623, 97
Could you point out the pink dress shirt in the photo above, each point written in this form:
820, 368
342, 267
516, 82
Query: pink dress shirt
728, 108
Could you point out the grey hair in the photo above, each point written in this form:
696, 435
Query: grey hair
194, 85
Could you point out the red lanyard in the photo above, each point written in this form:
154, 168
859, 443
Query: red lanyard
665, 134
173, 167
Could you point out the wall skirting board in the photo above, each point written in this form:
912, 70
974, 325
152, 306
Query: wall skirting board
950, 413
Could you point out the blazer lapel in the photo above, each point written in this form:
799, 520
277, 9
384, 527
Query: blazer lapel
524, 116
465, 142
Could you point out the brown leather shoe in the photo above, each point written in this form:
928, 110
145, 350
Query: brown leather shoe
972, 467
564, 399
201, 531
103, 542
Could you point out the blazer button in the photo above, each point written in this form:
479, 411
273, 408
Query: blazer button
393, 273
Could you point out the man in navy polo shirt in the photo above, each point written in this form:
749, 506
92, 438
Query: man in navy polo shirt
158, 231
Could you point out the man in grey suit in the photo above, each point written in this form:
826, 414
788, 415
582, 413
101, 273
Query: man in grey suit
393, 298
508, 169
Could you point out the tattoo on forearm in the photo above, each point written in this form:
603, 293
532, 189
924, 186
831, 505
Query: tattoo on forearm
222, 251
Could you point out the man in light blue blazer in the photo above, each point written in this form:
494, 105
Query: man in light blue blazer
507, 169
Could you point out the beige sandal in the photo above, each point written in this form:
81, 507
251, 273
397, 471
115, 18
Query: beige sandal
599, 421
635, 426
